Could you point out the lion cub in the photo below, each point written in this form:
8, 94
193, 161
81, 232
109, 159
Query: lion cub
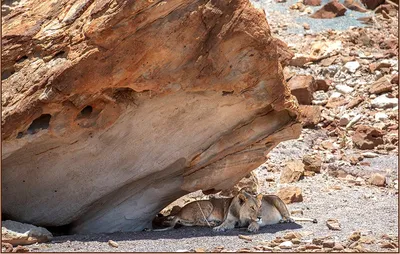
273, 211
242, 210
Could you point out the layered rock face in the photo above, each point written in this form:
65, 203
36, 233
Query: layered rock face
113, 109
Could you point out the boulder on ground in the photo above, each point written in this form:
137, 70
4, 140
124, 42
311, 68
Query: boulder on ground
303, 87
292, 171
366, 137
104, 124
330, 10
354, 5
312, 163
310, 115
17, 233
372, 4
290, 194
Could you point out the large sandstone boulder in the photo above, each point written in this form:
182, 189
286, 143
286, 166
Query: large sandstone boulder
114, 109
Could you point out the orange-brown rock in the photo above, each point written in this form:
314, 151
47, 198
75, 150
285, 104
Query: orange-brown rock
354, 5
330, 10
303, 86
382, 85
372, 4
292, 172
110, 106
366, 137
312, 2
310, 115
290, 194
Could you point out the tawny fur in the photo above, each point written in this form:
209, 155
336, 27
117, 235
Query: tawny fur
274, 210
240, 210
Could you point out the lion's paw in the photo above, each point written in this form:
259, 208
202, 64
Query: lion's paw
219, 229
253, 227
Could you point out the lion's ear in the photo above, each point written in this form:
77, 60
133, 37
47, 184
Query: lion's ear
242, 198
259, 196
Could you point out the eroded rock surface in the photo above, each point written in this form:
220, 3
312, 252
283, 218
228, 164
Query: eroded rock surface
113, 109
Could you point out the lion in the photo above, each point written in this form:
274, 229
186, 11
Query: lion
220, 213
273, 211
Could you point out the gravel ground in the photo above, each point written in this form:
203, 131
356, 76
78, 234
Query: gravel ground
369, 209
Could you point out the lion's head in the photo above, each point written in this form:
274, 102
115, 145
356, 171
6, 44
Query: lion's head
246, 207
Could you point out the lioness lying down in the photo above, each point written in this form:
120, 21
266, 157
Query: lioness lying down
241, 210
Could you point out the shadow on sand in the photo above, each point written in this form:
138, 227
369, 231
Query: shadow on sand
178, 233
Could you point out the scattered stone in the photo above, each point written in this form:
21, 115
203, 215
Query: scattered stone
344, 89
378, 66
245, 237
395, 79
388, 245
354, 5
6, 247
323, 84
309, 173
377, 179
113, 243
310, 115
360, 248
303, 86
286, 245
355, 236
312, 247
372, 4
384, 102
298, 6
330, 10
327, 144
382, 85
20, 249
338, 246
328, 244
312, 163
367, 240
353, 121
245, 250
306, 26
312, 2
292, 172
388, 8
333, 224
354, 102
328, 61
291, 235
290, 194
367, 137
352, 66
270, 179
380, 116
369, 155
344, 120
219, 249
21, 233
297, 211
